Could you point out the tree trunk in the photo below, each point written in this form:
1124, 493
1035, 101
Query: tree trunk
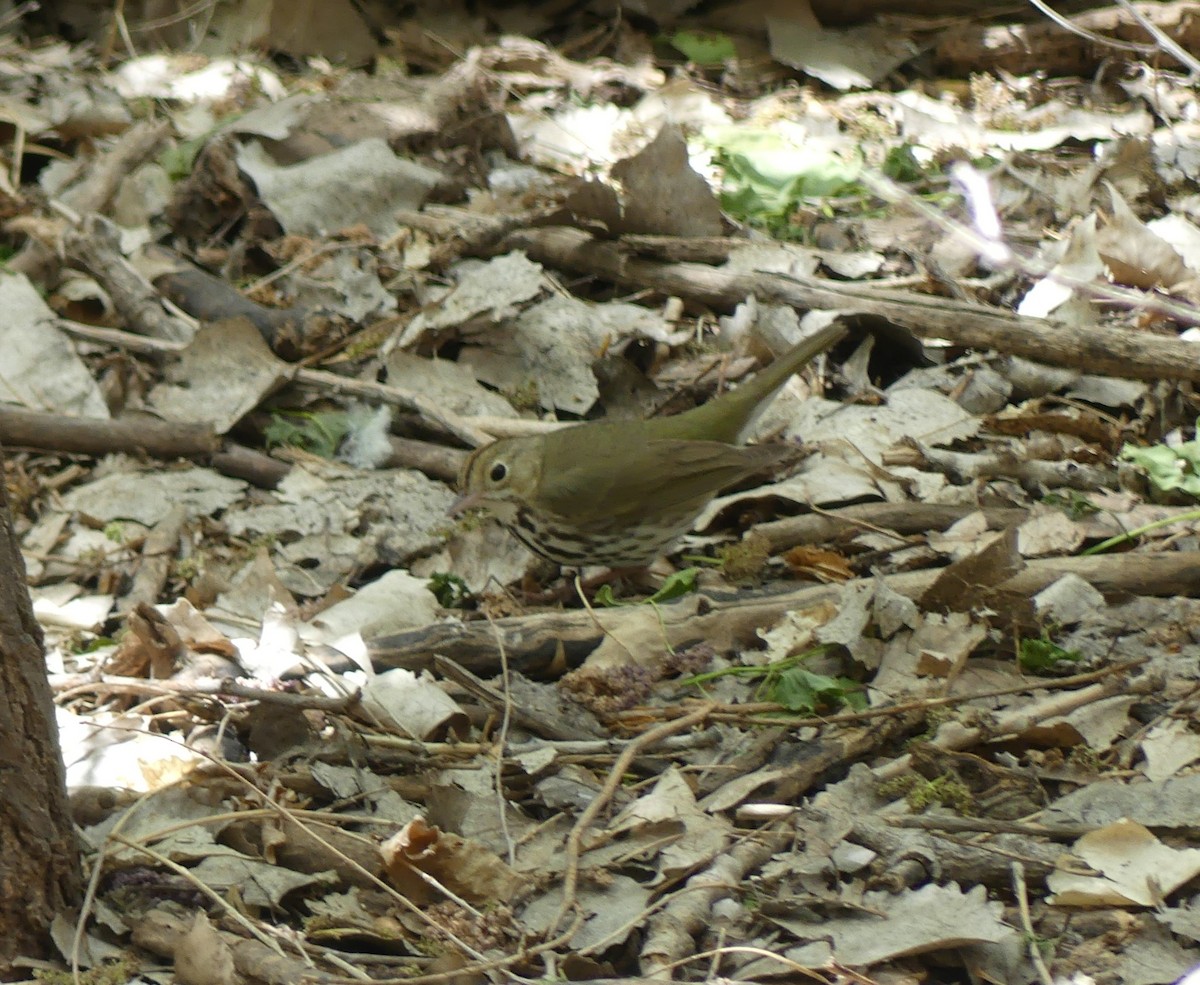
39, 857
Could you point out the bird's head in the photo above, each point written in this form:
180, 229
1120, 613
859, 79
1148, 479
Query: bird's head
499, 477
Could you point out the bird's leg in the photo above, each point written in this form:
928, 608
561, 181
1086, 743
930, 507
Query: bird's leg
643, 578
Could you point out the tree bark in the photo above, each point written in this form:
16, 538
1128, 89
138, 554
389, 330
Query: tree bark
39, 857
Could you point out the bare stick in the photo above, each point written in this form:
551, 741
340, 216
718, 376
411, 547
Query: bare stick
624, 761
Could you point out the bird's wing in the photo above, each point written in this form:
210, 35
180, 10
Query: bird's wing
649, 475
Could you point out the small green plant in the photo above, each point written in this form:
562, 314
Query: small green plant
108, 973
752, 900
449, 589
1037, 656
1086, 759
1169, 467
319, 433
935, 718
745, 559
788, 683
770, 172
946, 790
703, 47
188, 568
804, 692
677, 585
1074, 504
1046, 945
92, 644
1136, 532
525, 396
901, 164
180, 157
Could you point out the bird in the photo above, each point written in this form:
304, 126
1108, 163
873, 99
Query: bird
620, 493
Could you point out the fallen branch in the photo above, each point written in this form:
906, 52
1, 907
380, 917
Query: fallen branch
1105, 35
1094, 349
323, 382
963, 467
824, 526
547, 643
137, 436
94, 245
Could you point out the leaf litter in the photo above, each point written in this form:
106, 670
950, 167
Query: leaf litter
937, 740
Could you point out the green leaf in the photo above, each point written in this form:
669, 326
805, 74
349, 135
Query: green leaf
449, 589
180, 156
604, 596
682, 582
1042, 655
802, 691
703, 47
1074, 504
901, 164
677, 585
319, 433
768, 173
1169, 467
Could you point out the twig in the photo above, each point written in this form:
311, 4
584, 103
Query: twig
93, 243
187, 875
1162, 39
1018, 873
742, 712
445, 419
622, 764
1120, 352
746, 949
892, 191
501, 741
500, 700
69, 685
457, 974
578, 585
1069, 25
451, 423
989, 825
1013, 721
289, 817
157, 552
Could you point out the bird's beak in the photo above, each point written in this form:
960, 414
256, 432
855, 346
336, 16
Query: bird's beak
467, 501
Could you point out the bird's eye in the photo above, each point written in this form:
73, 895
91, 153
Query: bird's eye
499, 472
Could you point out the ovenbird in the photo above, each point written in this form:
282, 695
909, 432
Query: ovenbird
619, 493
